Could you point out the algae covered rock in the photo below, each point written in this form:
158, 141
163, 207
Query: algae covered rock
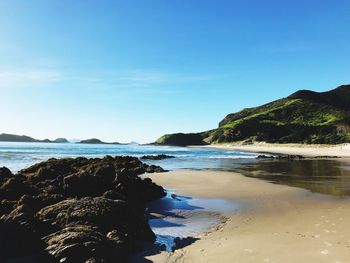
76, 209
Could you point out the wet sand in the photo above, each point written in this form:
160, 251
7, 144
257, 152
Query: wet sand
309, 150
276, 223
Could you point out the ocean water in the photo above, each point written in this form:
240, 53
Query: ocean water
17, 156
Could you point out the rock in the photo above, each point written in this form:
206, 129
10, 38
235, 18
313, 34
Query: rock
6, 206
105, 214
155, 169
38, 202
5, 174
76, 210
20, 234
263, 156
15, 187
156, 157
83, 243
53, 168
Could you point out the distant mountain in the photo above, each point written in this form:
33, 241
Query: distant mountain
303, 117
96, 141
4, 137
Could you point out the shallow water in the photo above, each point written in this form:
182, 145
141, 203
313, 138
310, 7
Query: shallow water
186, 217
330, 176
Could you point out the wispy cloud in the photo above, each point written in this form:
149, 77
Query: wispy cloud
150, 78
145, 81
28, 78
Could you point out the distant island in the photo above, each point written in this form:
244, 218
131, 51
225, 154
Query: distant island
303, 117
4, 137
96, 141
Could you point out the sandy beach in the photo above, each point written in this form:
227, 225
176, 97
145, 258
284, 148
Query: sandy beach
341, 150
275, 223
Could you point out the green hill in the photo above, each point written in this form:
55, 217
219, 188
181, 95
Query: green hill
303, 117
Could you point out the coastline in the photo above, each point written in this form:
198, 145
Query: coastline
276, 223
306, 150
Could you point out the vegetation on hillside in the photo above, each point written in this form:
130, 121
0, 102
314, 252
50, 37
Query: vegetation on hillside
303, 117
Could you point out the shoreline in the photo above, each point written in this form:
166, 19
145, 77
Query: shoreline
276, 223
305, 150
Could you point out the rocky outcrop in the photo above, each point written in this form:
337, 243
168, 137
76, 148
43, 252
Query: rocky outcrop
76, 210
156, 157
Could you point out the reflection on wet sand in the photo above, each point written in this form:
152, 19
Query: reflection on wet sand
317, 175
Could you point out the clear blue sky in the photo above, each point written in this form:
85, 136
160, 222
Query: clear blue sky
134, 70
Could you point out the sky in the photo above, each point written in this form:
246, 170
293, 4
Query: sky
127, 70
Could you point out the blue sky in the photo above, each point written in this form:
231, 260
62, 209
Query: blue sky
134, 70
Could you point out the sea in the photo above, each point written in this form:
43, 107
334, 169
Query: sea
18, 155
326, 176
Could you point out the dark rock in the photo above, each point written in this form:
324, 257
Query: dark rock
20, 233
76, 210
155, 169
81, 243
15, 187
156, 157
5, 174
53, 168
6, 206
263, 156
114, 195
100, 212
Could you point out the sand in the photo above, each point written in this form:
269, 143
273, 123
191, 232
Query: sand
275, 223
309, 150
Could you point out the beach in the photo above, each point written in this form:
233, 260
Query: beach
275, 223
307, 150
